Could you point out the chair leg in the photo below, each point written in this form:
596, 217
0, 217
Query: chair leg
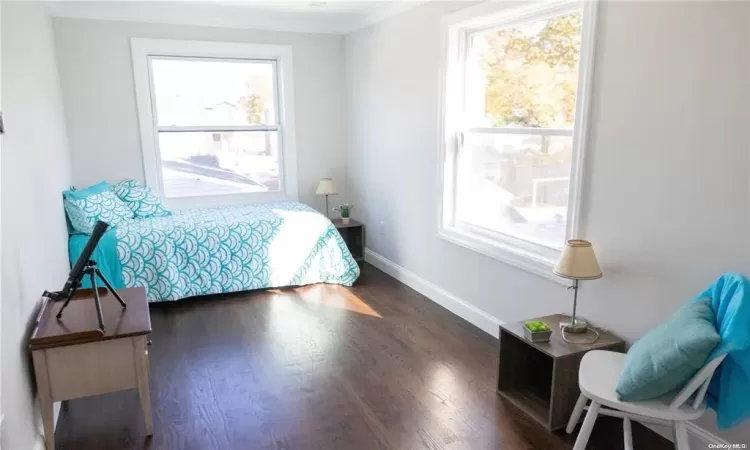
576, 414
679, 431
588, 424
627, 434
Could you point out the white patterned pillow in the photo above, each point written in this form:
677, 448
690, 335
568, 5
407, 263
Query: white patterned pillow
140, 199
97, 202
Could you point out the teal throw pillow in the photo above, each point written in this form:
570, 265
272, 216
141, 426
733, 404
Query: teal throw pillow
140, 199
80, 194
668, 356
85, 206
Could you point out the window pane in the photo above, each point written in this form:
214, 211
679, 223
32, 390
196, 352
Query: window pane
206, 163
516, 184
213, 92
525, 76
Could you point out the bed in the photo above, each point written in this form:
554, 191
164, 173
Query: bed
218, 250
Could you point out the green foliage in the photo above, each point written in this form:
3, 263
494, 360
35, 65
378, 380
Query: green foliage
532, 75
254, 103
345, 210
536, 326
253, 106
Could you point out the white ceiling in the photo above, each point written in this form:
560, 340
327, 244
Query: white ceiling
311, 16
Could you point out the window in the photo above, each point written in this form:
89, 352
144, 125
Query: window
216, 121
514, 126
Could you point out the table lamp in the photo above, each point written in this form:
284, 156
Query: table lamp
577, 262
326, 187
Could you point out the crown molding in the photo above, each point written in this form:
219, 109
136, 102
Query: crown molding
229, 15
385, 13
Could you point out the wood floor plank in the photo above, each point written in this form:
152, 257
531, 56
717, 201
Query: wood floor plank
375, 366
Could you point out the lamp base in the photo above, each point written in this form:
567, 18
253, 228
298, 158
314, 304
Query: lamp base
575, 326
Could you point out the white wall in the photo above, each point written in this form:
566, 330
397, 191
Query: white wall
666, 192
97, 81
35, 170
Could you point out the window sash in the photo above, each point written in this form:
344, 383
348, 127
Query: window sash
216, 128
455, 125
523, 16
527, 245
144, 49
274, 79
522, 130
518, 240
465, 40
524, 242
280, 163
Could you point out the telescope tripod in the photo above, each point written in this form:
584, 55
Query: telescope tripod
92, 271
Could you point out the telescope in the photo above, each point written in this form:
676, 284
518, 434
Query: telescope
86, 266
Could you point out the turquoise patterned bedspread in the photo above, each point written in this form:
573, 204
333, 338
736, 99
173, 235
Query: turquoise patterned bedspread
228, 249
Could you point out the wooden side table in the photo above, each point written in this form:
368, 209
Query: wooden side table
72, 360
353, 234
541, 378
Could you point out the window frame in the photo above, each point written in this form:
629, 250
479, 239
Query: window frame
455, 30
143, 50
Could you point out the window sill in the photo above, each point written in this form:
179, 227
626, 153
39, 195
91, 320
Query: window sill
212, 201
503, 252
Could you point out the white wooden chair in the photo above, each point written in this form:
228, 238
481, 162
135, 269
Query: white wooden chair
597, 378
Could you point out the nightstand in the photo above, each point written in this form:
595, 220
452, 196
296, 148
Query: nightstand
353, 235
541, 378
71, 363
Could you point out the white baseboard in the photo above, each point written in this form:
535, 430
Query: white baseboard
488, 323
699, 437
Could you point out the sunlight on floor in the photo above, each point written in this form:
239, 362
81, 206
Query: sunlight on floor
306, 322
335, 296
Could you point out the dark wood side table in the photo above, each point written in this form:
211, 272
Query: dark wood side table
72, 360
541, 378
353, 234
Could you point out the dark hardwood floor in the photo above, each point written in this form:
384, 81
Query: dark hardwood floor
376, 366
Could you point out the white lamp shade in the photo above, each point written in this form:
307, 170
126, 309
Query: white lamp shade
578, 261
326, 187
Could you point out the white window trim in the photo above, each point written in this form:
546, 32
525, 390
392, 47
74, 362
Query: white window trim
525, 255
142, 49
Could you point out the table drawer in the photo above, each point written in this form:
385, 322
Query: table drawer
92, 369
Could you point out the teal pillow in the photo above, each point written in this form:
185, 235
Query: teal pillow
80, 194
668, 356
85, 206
140, 199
